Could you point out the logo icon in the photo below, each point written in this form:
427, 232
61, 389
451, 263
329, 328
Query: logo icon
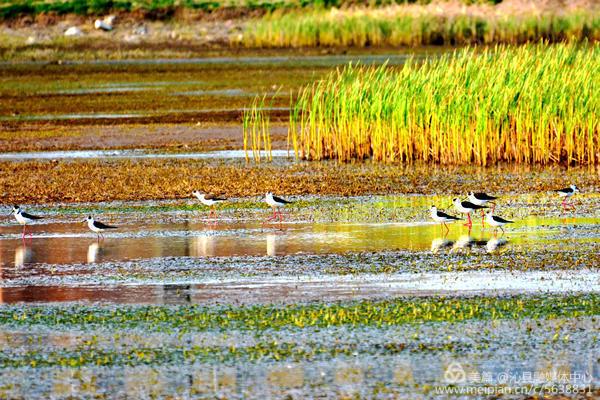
455, 373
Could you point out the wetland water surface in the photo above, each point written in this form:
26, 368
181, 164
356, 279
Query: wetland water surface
149, 261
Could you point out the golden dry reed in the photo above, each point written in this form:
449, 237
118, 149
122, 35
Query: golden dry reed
414, 26
256, 131
529, 104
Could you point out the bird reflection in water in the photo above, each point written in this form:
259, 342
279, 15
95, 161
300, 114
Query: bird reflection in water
203, 246
271, 244
495, 243
23, 255
439, 244
93, 252
466, 242
463, 242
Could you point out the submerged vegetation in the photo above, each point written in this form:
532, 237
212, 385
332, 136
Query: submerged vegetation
529, 104
403, 26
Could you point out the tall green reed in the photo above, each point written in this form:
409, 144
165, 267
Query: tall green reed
529, 104
256, 124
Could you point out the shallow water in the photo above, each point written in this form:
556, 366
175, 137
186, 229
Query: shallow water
192, 89
131, 154
58, 261
195, 236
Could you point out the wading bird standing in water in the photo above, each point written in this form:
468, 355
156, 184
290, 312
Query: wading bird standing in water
276, 203
481, 199
209, 200
98, 227
23, 218
466, 207
442, 217
497, 222
567, 193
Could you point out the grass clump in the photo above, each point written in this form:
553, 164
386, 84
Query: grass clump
407, 26
256, 124
529, 104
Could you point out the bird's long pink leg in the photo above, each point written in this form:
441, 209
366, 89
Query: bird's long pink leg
469, 222
23, 235
483, 218
564, 204
272, 217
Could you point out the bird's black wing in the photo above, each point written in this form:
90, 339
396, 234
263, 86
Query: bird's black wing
280, 200
100, 225
484, 196
501, 220
565, 190
29, 216
468, 204
444, 215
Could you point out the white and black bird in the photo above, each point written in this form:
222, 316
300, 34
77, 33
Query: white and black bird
466, 207
442, 217
496, 221
567, 193
98, 227
276, 203
24, 218
481, 199
209, 200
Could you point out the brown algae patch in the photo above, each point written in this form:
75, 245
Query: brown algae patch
79, 181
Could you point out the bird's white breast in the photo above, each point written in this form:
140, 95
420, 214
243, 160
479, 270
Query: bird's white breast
491, 221
476, 201
20, 219
460, 208
92, 227
270, 201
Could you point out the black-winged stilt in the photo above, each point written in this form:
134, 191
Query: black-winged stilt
23, 218
276, 203
567, 193
466, 207
442, 217
481, 199
496, 221
209, 200
98, 227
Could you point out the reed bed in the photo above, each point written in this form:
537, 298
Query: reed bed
408, 26
528, 104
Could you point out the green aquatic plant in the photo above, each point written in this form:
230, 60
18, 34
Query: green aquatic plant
525, 105
260, 317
